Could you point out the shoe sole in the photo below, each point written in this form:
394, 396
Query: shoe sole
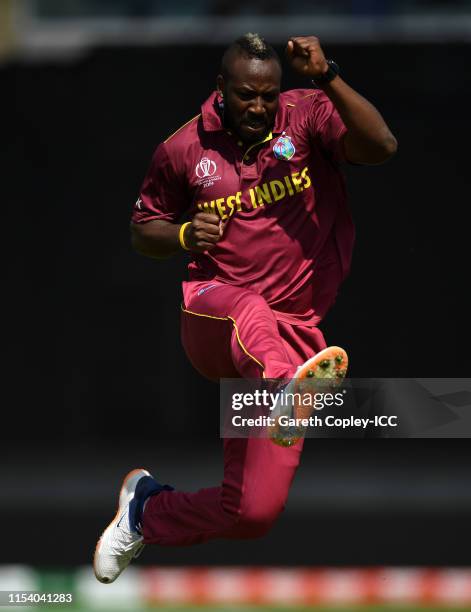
122, 501
328, 365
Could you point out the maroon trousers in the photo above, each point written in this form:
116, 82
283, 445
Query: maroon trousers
230, 332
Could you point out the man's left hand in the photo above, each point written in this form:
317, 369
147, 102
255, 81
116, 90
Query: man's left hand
306, 56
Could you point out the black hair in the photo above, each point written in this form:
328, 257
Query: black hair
250, 46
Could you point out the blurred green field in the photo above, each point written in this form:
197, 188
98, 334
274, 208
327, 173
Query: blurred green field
140, 589
241, 608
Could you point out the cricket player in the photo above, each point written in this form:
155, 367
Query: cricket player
257, 177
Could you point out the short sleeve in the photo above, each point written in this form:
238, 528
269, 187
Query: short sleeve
163, 194
327, 127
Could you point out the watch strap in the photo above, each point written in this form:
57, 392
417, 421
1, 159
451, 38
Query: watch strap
330, 74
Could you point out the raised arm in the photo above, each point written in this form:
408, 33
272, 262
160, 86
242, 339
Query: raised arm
368, 139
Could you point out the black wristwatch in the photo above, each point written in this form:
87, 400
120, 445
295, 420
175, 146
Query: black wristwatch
331, 73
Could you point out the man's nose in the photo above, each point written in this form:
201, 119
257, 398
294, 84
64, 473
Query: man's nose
257, 107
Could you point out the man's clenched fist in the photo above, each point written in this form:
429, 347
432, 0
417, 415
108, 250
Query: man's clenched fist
203, 233
306, 56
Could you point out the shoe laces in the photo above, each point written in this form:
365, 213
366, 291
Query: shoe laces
126, 544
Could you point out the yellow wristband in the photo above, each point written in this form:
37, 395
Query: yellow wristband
180, 235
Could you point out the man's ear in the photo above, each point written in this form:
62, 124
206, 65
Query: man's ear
220, 84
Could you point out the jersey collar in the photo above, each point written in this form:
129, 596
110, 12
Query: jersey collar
212, 119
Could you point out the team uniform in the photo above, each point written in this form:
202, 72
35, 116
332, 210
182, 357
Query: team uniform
252, 304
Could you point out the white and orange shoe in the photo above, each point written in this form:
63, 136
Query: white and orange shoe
122, 540
328, 369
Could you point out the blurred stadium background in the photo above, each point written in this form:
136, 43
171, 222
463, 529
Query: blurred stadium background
97, 382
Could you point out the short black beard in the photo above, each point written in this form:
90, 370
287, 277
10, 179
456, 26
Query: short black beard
228, 125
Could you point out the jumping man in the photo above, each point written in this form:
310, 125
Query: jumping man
270, 237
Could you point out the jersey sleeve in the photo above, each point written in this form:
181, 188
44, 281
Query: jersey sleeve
163, 193
326, 127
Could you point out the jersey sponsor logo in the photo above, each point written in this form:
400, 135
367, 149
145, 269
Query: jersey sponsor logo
205, 168
284, 148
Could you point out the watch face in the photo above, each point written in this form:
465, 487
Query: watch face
333, 69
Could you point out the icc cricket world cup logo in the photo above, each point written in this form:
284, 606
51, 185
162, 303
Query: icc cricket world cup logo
205, 168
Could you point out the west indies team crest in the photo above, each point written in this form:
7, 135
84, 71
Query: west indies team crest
284, 148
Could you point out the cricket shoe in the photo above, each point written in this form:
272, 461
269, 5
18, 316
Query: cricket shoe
319, 374
122, 540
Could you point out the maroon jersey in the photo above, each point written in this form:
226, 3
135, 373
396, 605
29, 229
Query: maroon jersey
288, 234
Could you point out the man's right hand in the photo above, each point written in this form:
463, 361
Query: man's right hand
203, 233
